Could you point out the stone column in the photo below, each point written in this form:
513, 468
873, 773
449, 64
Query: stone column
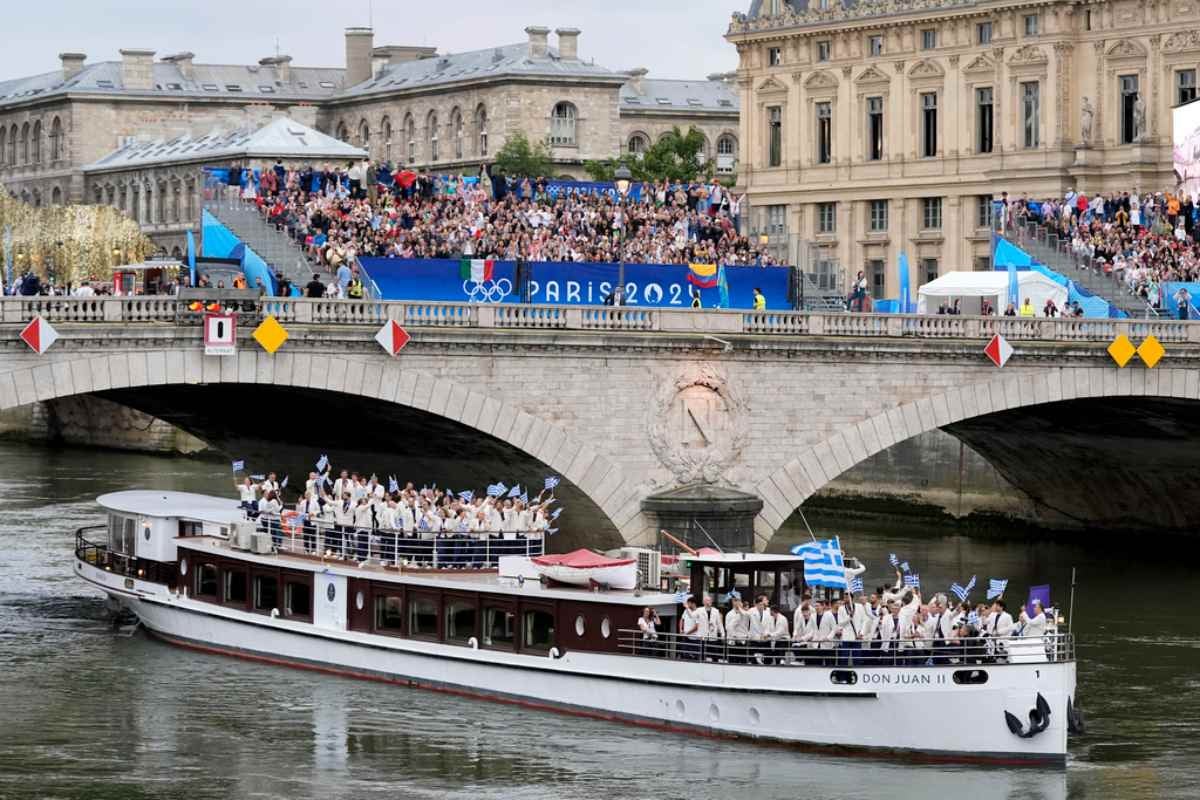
1065, 105
1101, 91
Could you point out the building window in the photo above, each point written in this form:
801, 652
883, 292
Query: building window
1185, 86
56, 136
25, 143
3, 145
12, 146
878, 222
410, 129
876, 276
1031, 24
874, 128
481, 129
1129, 98
364, 135
456, 130
1029, 112
983, 263
1087, 20
931, 214
824, 133
385, 131
776, 220
388, 613
928, 39
875, 45
983, 33
562, 125
929, 270
638, 144
432, 128
826, 217
726, 153
929, 124
983, 120
823, 48
774, 56
983, 215
774, 136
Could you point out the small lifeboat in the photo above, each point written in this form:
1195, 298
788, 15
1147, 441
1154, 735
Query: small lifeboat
583, 567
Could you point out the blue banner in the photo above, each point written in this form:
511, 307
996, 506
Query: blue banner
569, 283
586, 188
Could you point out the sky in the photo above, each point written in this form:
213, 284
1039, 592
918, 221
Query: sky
671, 38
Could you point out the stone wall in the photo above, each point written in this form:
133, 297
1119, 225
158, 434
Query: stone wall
96, 422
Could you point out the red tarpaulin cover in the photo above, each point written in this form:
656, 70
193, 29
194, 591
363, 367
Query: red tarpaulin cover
581, 559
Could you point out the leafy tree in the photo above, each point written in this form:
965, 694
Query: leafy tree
676, 157
521, 159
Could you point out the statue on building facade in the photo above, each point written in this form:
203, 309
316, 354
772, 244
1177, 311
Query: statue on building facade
1139, 119
1086, 115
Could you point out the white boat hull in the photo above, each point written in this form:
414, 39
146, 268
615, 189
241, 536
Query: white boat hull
917, 709
620, 576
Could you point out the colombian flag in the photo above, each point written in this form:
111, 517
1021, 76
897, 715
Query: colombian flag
702, 275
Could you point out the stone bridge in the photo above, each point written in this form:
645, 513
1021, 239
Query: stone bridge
629, 403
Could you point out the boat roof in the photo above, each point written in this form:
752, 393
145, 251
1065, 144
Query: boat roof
167, 504
730, 559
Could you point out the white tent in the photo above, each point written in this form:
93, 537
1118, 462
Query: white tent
974, 287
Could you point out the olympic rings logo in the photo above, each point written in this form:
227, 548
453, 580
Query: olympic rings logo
487, 291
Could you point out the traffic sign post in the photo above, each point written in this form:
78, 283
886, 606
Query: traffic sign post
998, 350
220, 335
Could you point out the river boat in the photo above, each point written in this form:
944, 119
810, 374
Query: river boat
476, 618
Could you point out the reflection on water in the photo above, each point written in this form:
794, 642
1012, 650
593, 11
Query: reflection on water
90, 713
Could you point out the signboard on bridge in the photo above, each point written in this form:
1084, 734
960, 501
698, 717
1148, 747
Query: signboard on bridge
220, 335
392, 337
998, 350
39, 335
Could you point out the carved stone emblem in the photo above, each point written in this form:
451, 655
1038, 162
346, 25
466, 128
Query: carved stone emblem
698, 425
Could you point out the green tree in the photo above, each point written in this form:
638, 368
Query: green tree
676, 157
521, 159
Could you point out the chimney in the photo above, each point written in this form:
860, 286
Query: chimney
359, 44
72, 64
282, 65
400, 54
635, 79
137, 69
539, 41
184, 62
568, 43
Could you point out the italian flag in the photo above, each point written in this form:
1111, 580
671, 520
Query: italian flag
476, 270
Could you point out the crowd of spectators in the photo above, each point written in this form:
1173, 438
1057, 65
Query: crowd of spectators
340, 215
1142, 240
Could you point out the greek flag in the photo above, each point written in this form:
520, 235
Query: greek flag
514, 492
525, 498
322, 463
682, 596
258, 477
393, 485
238, 466
960, 592
904, 566
449, 492
823, 564
893, 560
912, 580
497, 490
557, 511
973, 618
467, 496
996, 588
856, 585
551, 482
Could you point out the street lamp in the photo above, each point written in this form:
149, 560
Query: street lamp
621, 178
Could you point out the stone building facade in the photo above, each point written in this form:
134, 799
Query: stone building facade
869, 129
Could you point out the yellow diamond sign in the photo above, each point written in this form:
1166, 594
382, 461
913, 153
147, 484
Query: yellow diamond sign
1150, 351
1121, 350
270, 335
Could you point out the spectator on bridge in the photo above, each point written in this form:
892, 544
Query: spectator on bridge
760, 300
1183, 299
1027, 309
1050, 309
315, 288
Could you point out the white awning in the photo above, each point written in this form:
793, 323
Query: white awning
973, 287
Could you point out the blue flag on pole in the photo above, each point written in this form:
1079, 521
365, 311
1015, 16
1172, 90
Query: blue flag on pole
557, 511
551, 482
906, 304
393, 485
904, 566
1014, 287
722, 287
823, 565
466, 496
893, 560
912, 580
996, 588
496, 490
856, 585
238, 466
322, 463
191, 257
514, 492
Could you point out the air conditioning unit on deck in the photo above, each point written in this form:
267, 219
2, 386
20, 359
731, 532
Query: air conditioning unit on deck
649, 565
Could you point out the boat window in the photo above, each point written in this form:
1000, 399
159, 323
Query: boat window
206, 580
129, 537
298, 599
498, 628
235, 586
538, 630
187, 528
422, 617
266, 593
970, 676
580, 625
844, 677
605, 628
388, 616
358, 601
460, 620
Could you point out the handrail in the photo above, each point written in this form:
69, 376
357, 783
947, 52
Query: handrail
1050, 647
431, 314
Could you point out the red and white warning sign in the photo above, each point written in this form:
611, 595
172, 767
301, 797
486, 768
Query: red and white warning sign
220, 335
392, 337
39, 335
998, 350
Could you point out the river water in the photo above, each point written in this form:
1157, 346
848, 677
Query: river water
88, 713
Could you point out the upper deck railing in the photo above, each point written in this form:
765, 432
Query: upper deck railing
717, 322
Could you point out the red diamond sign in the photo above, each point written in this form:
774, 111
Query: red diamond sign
998, 350
39, 335
392, 337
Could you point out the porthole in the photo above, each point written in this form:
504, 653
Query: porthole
183, 566
680, 708
844, 677
605, 628
714, 713
359, 601
146, 532
331, 592
969, 677
580, 626
755, 717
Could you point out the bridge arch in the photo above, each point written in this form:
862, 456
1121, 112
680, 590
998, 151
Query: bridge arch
815, 465
595, 476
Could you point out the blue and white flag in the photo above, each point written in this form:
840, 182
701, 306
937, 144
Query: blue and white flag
734, 593
283, 485
893, 560
682, 596
971, 583
912, 580
322, 463
551, 531
904, 566
393, 485
551, 482
497, 490
514, 492
525, 498
466, 496
823, 564
557, 511
258, 477
238, 466
973, 618
449, 492
996, 588
856, 585
422, 524
960, 592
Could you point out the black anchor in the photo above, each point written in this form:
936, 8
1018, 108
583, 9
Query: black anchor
1039, 719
